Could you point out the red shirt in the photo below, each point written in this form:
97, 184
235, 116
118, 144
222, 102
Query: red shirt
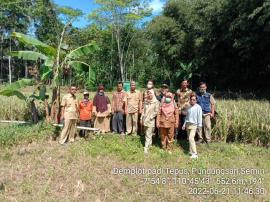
86, 110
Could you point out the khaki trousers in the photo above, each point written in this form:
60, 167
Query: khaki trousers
191, 132
132, 122
167, 137
149, 132
68, 132
103, 123
206, 122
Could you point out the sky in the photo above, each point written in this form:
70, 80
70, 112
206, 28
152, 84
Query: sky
88, 5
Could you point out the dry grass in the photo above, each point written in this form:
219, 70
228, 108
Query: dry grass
46, 171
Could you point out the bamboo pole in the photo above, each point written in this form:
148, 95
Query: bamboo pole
79, 127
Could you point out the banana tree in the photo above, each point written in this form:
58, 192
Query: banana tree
54, 60
186, 71
14, 90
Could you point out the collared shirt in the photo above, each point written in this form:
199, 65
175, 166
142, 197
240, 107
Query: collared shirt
118, 101
86, 110
133, 101
183, 99
149, 113
71, 105
194, 115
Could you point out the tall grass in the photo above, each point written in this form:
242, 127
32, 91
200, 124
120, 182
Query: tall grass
246, 121
11, 134
12, 108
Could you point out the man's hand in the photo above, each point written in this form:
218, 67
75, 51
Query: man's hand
183, 127
212, 115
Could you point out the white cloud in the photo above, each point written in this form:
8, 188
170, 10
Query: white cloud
157, 6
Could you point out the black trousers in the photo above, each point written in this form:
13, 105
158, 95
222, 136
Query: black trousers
117, 122
84, 123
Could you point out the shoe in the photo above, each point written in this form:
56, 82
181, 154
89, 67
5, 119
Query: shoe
122, 134
194, 156
199, 141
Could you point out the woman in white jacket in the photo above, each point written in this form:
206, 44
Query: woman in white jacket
193, 121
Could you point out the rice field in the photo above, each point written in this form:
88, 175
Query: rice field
245, 121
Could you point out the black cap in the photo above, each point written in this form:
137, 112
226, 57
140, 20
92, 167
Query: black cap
164, 85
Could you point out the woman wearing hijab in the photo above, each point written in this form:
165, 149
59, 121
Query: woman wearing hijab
149, 113
102, 110
167, 120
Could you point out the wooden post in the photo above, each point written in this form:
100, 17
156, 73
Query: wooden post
9, 69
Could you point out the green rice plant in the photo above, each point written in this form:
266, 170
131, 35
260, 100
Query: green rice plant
12, 134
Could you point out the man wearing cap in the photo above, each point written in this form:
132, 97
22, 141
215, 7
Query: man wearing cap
85, 109
133, 108
163, 91
183, 97
69, 113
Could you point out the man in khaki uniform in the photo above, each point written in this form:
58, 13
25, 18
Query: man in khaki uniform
207, 103
133, 108
183, 97
69, 113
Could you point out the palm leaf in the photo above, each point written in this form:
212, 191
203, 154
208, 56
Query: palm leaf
20, 84
42, 47
12, 89
83, 51
28, 55
12, 92
79, 66
46, 72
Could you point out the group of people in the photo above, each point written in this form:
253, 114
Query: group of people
171, 115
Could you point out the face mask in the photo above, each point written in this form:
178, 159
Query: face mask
168, 100
202, 91
149, 86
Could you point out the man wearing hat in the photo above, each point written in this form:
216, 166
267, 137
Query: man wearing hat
183, 103
163, 91
85, 109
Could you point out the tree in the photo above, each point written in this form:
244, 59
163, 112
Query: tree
47, 23
117, 15
54, 60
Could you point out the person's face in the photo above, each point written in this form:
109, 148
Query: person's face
86, 96
150, 84
193, 100
164, 90
101, 91
184, 84
119, 87
149, 96
203, 87
132, 86
72, 90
